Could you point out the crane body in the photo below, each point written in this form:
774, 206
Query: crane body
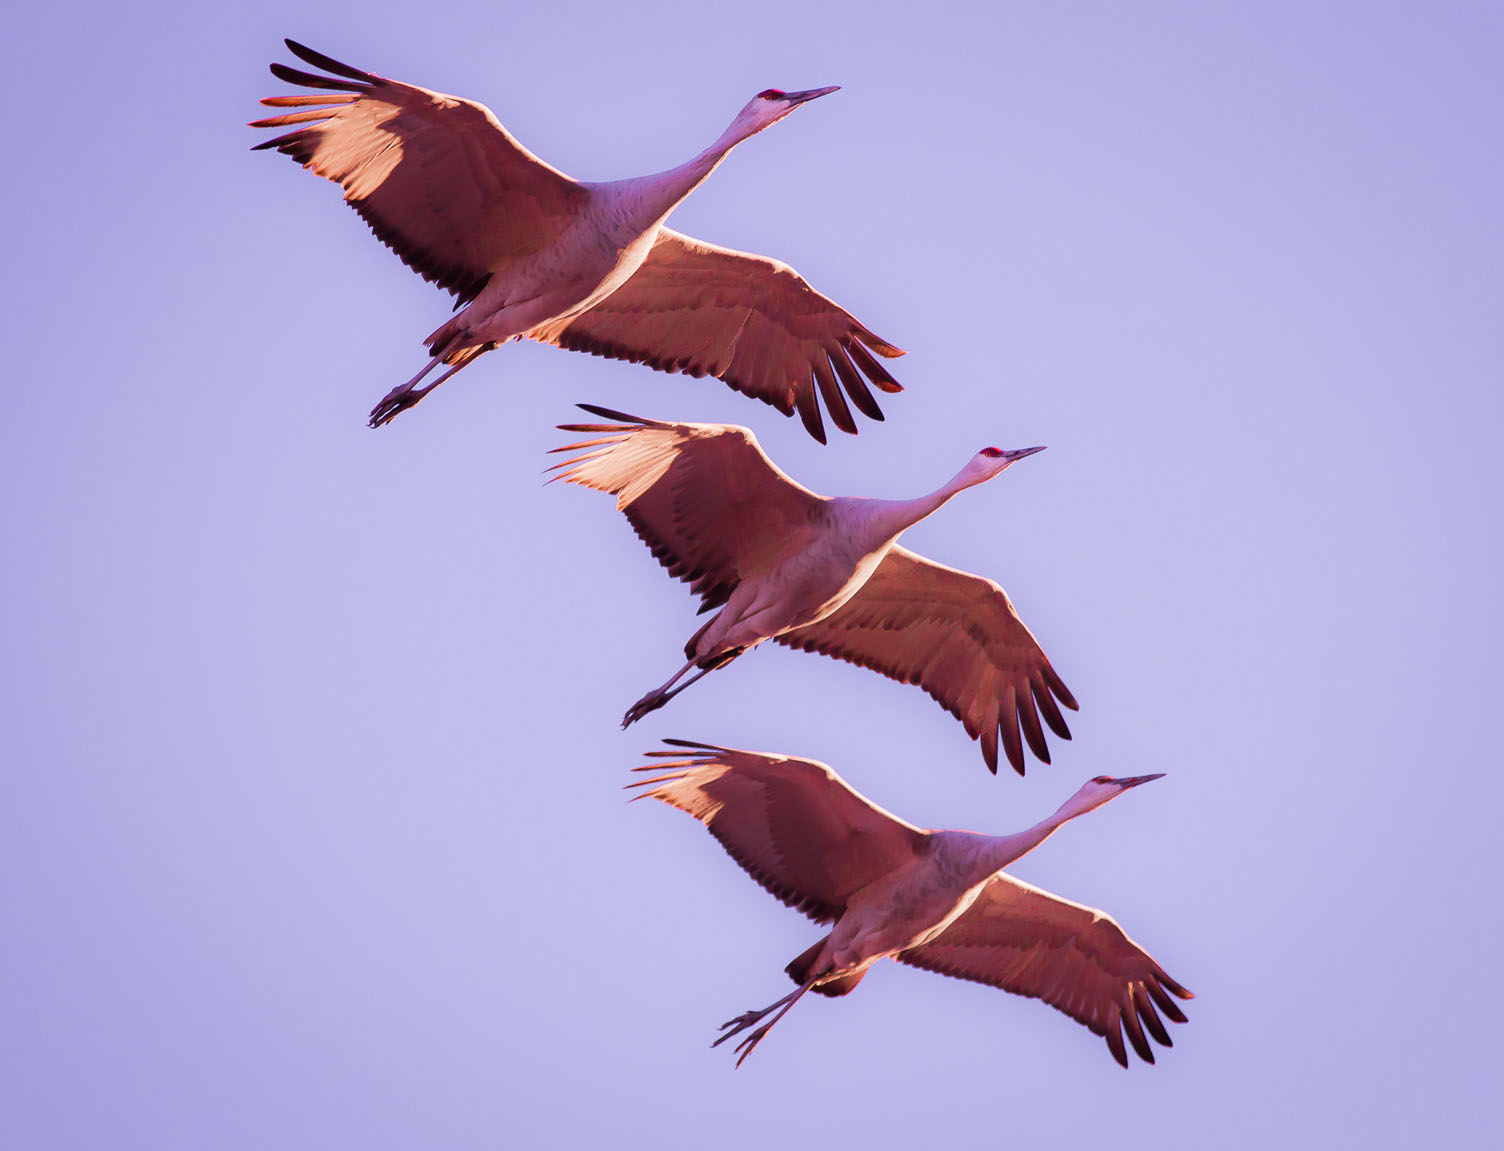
934, 899
776, 561
529, 252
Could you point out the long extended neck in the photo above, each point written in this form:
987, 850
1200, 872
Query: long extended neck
1005, 849
893, 516
657, 195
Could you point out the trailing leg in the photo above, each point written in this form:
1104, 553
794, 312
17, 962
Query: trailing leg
661, 695
748, 1018
400, 398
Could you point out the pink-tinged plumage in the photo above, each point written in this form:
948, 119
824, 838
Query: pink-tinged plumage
822, 574
937, 900
529, 252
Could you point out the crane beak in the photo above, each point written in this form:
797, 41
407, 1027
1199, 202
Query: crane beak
813, 93
1015, 456
1135, 780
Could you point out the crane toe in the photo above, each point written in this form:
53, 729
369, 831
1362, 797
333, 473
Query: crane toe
394, 403
648, 703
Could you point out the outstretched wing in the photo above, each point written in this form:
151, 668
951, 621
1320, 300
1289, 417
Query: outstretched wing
437, 178
707, 501
1075, 958
793, 824
957, 636
752, 322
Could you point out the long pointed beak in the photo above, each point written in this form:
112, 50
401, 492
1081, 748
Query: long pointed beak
810, 94
1135, 780
1014, 456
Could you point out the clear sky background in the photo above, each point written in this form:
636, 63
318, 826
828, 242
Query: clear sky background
310, 824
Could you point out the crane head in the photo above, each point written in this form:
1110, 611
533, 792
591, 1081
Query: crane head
990, 462
1095, 792
771, 105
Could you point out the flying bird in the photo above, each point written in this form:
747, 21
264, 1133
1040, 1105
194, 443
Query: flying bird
938, 900
822, 574
529, 252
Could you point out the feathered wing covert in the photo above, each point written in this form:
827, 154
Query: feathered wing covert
715, 511
807, 837
444, 185
1075, 958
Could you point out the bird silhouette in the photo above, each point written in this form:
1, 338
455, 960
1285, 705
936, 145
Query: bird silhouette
821, 574
937, 900
529, 252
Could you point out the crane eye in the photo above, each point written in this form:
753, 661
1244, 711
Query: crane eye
992, 453
1103, 779
771, 94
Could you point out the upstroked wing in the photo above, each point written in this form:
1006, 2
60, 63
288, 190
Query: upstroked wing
747, 320
438, 178
792, 824
704, 498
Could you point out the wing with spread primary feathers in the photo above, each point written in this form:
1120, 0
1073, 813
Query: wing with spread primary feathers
957, 636
707, 501
437, 178
752, 322
793, 824
1075, 958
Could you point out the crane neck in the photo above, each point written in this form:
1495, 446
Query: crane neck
657, 195
1001, 850
896, 516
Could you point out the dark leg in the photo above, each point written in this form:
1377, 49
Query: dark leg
661, 695
399, 399
748, 1018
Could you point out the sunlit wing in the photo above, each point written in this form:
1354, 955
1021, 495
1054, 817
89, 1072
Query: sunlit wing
1075, 958
437, 178
711, 506
957, 636
750, 321
792, 824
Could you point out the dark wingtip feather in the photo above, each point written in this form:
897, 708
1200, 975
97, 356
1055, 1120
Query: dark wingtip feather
309, 80
612, 414
695, 743
1148, 1017
860, 394
1162, 998
1136, 1035
1114, 1037
1057, 685
880, 345
1174, 988
319, 60
840, 414
809, 414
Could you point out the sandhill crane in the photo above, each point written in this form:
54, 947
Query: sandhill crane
528, 251
821, 574
938, 900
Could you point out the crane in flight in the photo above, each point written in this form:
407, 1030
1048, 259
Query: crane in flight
529, 252
821, 574
937, 900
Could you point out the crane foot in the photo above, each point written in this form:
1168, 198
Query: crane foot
395, 402
648, 703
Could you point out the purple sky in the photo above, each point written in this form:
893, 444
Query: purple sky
311, 832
